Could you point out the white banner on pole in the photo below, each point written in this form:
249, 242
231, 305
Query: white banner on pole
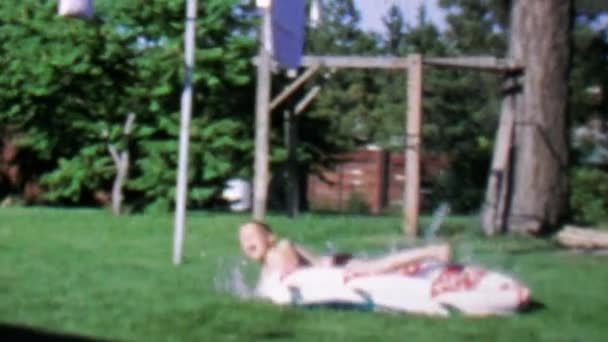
263, 3
76, 8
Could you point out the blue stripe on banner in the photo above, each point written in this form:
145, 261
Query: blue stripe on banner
288, 20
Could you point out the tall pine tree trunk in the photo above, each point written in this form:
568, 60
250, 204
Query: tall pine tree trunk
529, 192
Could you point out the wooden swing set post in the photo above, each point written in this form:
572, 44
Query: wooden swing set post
262, 124
290, 121
411, 193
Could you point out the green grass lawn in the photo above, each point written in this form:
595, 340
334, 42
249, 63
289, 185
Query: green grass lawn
87, 273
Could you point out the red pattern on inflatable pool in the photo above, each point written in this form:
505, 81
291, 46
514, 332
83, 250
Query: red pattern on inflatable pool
457, 278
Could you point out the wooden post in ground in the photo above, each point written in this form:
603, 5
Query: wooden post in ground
411, 203
292, 188
262, 124
493, 216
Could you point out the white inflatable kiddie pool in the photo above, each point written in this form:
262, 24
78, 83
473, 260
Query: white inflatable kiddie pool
432, 289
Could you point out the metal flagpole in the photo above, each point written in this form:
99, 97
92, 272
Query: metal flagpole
184, 133
262, 115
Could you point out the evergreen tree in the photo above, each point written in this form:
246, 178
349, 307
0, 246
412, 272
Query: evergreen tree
71, 80
68, 79
461, 106
588, 111
394, 24
347, 98
476, 27
390, 107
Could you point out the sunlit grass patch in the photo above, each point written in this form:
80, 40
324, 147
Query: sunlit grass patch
88, 273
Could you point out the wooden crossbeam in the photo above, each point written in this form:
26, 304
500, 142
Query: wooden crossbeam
293, 86
356, 62
307, 99
487, 63
352, 62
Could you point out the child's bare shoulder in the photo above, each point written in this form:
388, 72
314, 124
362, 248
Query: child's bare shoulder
281, 255
284, 244
282, 248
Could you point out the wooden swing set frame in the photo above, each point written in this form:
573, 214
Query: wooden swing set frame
413, 65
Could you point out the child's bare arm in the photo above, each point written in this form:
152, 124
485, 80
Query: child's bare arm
403, 258
399, 259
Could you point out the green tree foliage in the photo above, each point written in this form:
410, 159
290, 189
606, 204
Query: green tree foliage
401, 40
348, 96
395, 26
589, 103
69, 80
389, 108
479, 27
589, 197
326, 127
63, 85
476, 26
588, 77
462, 106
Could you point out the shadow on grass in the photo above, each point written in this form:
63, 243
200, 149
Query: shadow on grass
17, 333
532, 307
274, 335
532, 250
338, 306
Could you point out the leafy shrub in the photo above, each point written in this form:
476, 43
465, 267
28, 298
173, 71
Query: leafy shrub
589, 195
357, 204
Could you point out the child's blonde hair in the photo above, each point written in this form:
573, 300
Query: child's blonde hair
259, 224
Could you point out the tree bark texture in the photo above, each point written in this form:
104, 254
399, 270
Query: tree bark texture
532, 194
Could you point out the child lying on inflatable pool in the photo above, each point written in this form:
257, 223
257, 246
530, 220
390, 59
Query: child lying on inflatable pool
418, 280
259, 243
